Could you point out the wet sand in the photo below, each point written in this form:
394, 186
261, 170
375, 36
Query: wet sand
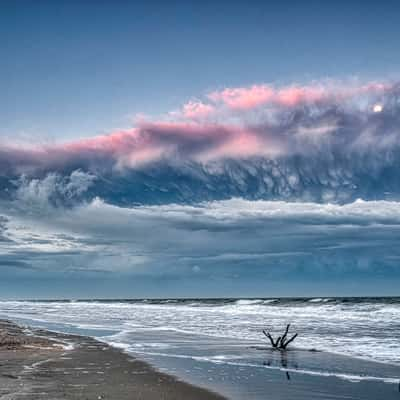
37, 365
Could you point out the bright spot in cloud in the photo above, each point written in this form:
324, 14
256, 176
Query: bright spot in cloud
378, 108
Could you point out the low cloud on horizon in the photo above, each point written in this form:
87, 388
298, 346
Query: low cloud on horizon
219, 241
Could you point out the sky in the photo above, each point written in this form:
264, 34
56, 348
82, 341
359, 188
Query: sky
214, 149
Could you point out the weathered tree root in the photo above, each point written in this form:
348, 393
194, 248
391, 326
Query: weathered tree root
281, 342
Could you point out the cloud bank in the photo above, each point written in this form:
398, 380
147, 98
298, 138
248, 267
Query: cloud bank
327, 141
219, 240
258, 184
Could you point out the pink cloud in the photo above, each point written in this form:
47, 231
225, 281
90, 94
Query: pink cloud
192, 131
197, 109
242, 98
294, 95
196, 138
204, 142
147, 143
116, 143
242, 144
247, 98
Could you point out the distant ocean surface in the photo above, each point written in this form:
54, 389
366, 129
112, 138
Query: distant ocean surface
226, 331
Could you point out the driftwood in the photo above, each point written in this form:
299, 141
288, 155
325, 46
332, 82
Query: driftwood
281, 342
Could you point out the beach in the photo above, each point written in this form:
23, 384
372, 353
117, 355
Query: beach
50, 366
36, 364
131, 350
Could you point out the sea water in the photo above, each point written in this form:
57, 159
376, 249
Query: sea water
199, 339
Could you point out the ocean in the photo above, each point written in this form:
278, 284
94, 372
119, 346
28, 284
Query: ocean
212, 341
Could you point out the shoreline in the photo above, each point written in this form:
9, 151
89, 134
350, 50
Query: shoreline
40, 364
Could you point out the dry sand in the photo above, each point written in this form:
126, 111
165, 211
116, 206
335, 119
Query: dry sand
40, 366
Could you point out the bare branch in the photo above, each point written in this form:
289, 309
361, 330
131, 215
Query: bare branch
281, 342
290, 341
285, 335
268, 335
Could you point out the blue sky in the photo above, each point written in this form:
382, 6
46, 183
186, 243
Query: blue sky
211, 149
79, 68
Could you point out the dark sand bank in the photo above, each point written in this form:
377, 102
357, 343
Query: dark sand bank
41, 366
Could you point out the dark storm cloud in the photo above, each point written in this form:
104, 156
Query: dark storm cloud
217, 238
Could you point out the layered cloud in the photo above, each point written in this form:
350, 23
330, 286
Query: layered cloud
252, 184
214, 239
230, 243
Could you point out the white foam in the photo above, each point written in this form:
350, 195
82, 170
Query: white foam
249, 302
120, 345
358, 329
319, 300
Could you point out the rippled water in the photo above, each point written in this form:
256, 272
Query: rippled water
366, 328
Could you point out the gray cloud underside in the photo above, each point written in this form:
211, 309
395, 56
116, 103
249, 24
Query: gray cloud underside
229, 239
